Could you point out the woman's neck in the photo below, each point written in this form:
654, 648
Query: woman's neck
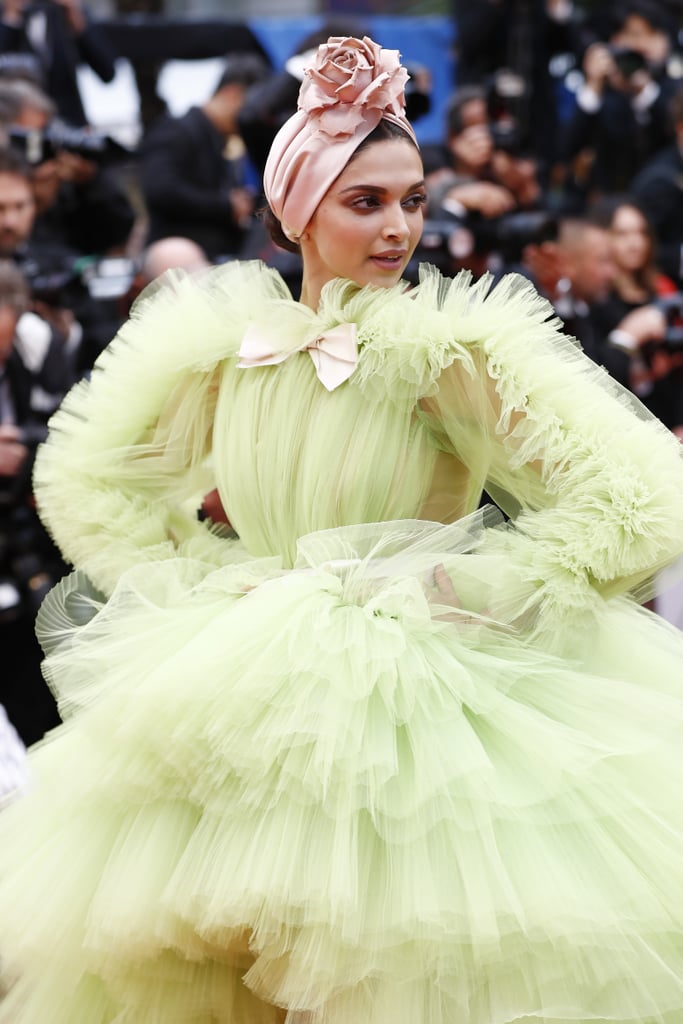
311, 289
309, 298
630, 288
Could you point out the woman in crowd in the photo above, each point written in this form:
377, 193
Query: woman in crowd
638, 279
374, 755
638, 284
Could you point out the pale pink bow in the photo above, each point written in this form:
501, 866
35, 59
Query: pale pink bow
334, 353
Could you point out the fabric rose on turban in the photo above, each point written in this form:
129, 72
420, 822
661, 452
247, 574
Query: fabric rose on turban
352, 86
350, 78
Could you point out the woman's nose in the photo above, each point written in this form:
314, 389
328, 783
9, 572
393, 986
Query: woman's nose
396, 225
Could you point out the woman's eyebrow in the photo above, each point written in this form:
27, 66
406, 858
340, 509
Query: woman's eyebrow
379, 188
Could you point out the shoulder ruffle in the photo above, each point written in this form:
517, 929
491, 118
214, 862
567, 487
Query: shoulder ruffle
615, 471
126, 461
405, 334
408, 336
612, 472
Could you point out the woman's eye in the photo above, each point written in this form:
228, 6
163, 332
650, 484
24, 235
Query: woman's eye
366, 202
414, 202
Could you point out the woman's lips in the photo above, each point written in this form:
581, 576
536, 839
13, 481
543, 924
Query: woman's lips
389, 260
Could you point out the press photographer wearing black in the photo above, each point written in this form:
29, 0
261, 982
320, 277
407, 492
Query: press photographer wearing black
29, 562
621, 117
639, 344
659, 190
61, 277
193, 186
81, 202
485, 197
58, 35
650, 342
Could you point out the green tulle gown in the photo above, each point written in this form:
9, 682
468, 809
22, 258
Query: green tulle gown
386, 758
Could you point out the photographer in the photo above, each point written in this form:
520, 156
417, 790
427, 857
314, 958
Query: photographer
190, 187
60, 36
57, 274
620, 118
29, 562
636, 342
54, 329
522, 38
80, 201
477, 186
649, 344
659, 190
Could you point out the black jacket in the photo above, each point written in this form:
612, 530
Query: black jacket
186, 181
659, 189
61, 55
621, 142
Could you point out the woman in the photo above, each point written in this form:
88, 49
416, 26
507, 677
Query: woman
637, 278
383, 758
638, 282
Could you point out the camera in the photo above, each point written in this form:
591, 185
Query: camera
61, 282
54, 281
38, 145
506, 94
672, 308
511, 233
507, 136
29, 561
109, 277
32, 434
628, 61
445, 241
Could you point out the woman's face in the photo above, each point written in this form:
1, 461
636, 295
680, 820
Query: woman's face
630, 239
370, 221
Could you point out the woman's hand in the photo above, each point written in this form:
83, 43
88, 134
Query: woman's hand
443, 593
212, 508
484, 197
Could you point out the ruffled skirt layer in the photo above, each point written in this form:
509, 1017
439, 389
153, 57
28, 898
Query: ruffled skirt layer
347, 792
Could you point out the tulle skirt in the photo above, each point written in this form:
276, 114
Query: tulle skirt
347, 793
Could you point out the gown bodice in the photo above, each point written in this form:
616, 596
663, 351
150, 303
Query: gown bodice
291, 458
456, 389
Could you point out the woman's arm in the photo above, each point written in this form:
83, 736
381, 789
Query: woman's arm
125, 466
593, 483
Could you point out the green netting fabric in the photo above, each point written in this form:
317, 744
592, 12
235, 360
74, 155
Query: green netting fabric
376, 754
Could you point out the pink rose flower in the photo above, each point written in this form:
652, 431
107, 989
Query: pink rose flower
350, 77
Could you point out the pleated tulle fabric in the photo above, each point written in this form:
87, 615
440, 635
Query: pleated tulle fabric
346, 762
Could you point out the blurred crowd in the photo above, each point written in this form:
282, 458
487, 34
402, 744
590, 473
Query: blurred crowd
561, 159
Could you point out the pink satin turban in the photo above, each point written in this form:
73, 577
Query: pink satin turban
352, 86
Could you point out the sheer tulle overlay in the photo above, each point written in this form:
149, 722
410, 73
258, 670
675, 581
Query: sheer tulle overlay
401, 772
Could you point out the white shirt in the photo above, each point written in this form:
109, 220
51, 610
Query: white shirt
13, 762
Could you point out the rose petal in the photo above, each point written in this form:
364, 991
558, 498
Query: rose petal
340, 120
355, 86
352, 72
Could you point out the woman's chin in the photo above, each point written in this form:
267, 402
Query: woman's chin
384, 278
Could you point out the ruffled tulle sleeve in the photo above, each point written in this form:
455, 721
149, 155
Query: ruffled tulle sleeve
592, 482
127, 460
